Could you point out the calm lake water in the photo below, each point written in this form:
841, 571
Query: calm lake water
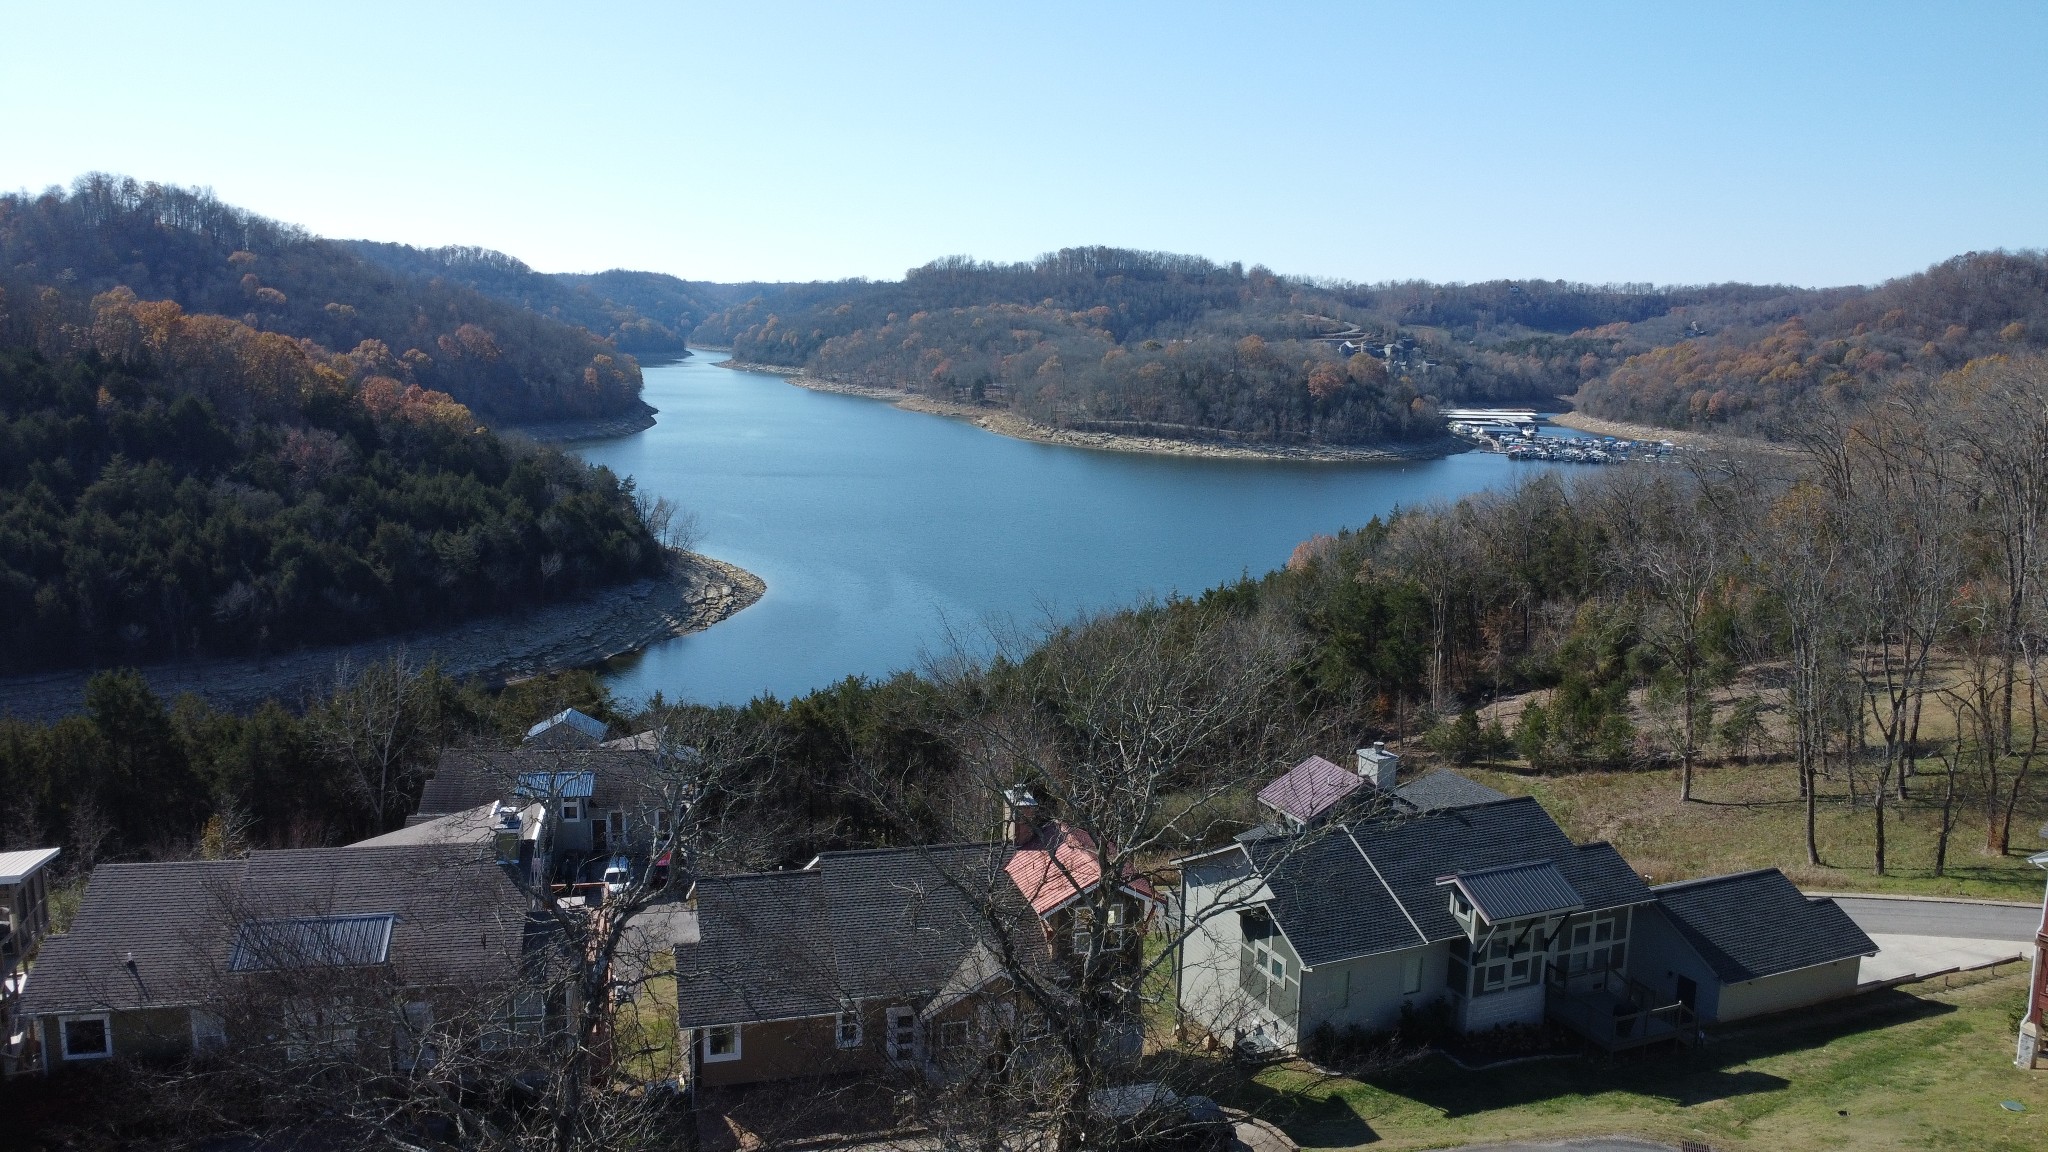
878, 530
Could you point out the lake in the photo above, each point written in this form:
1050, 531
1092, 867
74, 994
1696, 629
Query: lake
881, 531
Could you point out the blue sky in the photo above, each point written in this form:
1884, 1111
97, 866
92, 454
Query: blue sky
1805, 143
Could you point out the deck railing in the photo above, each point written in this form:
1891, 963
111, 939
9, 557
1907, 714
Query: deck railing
1615, 1012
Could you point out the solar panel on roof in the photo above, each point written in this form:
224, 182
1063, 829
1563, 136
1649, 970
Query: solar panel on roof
312, 942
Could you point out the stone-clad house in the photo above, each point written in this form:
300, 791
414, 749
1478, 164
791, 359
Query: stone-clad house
166, 959
1348, 920
872, 960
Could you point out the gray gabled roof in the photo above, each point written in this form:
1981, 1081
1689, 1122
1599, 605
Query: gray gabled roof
1753, 924
1517, 891
892, 924
1444, 788
1371, 886
455, 919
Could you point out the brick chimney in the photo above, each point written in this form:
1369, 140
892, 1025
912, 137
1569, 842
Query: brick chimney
1378, 766
1020, 816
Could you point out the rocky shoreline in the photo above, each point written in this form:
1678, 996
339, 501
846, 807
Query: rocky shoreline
697, 592
597, 428
1003, 422
1594, 425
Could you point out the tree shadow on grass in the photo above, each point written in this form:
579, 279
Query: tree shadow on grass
1317, 1111
1684, 1077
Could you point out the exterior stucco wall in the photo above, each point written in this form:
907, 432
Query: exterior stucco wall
1522, 1005
1368, 992
1789, 990
1211, 995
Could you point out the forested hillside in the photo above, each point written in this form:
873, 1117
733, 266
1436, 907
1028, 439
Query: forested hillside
1116, 340
175, 484
506, 362
1754, 371
641, 312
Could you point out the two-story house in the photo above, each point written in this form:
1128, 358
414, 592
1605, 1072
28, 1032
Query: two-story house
595, 801
864, 961
1490, 907
318, 947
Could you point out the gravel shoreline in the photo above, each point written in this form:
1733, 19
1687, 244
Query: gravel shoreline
1003, 422
696, 593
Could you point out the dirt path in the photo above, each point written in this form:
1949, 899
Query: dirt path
697, 593
1004, 422
1594, 425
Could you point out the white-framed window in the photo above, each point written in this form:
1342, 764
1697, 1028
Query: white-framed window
1597, 943
1411, 974
1083, 940
529, 1015
846, 1029
1113, 929
572, 808
902, 1034
721, 1044
87, 1037
615, 823
660, 822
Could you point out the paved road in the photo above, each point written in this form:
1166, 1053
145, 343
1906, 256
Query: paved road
1596, 1144
1941, 918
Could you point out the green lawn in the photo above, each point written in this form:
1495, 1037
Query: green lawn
1921, 1068
1748, 816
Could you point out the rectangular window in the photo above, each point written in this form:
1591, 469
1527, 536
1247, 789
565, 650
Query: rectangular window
721, 1044
616, 823
1411, 974
1081, 941
846, 1029
953, 1034
1113, 931
87, 1037
572, 809
1344, 989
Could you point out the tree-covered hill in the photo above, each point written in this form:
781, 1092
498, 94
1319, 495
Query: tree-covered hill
175, 484
640, 312
1753, 369
506, 362
1112, 339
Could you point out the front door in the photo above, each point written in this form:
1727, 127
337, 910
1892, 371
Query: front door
1689, 993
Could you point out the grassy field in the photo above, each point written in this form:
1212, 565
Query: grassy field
1748, 816
1918, 1068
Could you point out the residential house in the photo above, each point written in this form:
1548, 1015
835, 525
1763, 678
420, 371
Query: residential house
1317, 790
2031, 1021
1491, 909
1748, 944
567, 729
598, 800
866, 961
286, 948
24, 908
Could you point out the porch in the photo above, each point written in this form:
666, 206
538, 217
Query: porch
1615, 1012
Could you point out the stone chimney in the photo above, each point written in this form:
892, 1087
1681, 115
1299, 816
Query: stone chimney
1378, 766
1020, 816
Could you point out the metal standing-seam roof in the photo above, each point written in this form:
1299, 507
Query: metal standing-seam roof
1753, 924
1309, 789
22, 863
1517, 891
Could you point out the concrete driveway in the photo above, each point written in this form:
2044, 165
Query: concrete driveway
1926, 937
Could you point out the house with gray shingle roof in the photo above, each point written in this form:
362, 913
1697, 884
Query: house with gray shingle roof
165, 958
1748, 944
1489, 907
876, 959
